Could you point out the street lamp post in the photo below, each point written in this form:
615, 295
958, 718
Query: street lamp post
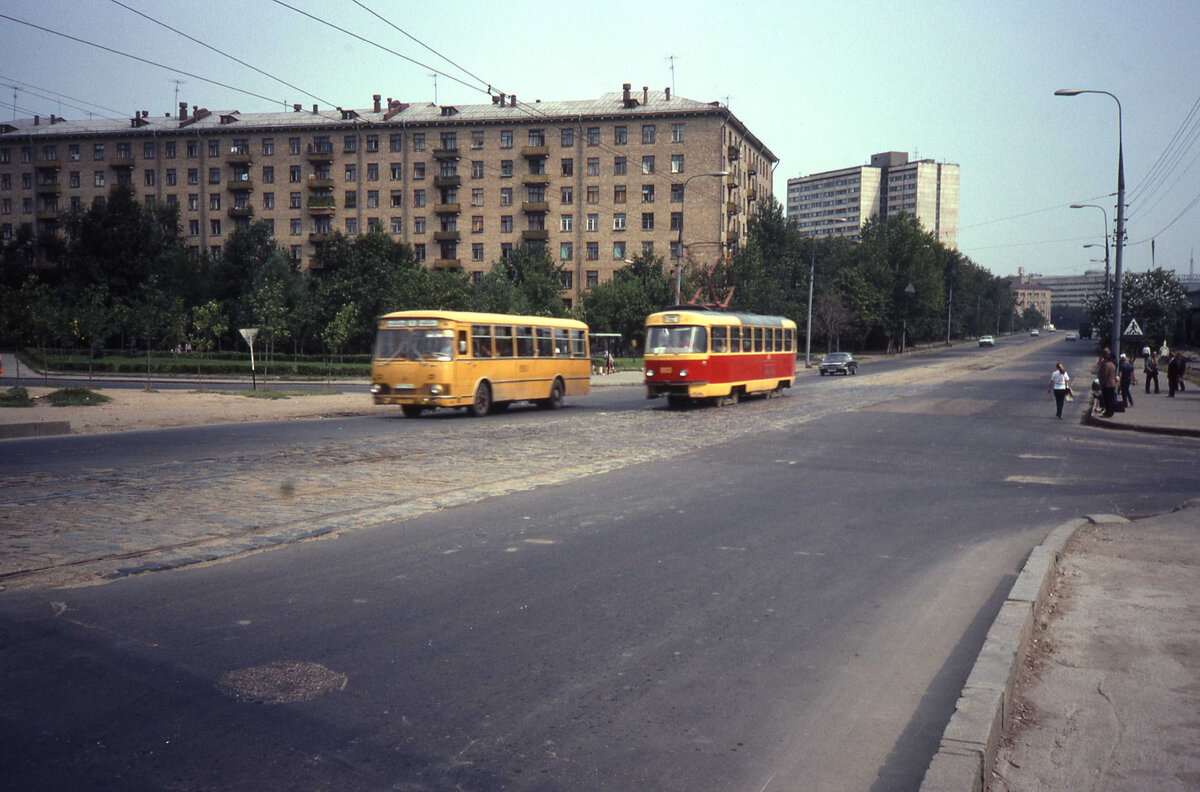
1101, 208
679, 249
1120, 240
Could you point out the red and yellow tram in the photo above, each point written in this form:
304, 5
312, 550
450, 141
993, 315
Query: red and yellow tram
693, 352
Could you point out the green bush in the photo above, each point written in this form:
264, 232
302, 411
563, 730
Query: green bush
76, 397
15, 397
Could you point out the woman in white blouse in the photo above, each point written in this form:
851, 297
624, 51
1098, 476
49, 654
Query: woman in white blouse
1060, 386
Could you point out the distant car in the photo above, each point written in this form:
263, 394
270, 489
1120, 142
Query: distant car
1034, 332
987, 341
838, 363
1072, 336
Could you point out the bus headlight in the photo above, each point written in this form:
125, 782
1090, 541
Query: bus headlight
435, 389
376, 388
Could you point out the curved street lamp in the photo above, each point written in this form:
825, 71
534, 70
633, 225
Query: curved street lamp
1107, 283
1120, 240
679, 248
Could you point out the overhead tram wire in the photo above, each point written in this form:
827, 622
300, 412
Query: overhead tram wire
142, 60
1160, 163
55, 96
222, 53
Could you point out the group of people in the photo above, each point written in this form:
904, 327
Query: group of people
1119, 374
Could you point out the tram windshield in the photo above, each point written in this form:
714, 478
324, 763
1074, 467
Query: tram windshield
676, 339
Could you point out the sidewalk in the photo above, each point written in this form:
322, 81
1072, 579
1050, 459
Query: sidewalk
1090, 676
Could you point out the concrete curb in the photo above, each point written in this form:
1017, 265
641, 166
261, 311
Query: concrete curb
34, 429
967, 751
1090, 419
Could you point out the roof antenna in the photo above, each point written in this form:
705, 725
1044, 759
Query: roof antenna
671, 60
177, 84
434, 76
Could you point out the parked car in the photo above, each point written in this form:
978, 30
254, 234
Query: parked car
1034, 332
838, 363
1072, 336
987, 341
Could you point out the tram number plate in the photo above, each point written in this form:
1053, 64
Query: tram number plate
665, 370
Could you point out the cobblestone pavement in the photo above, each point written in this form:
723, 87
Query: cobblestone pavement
105, 524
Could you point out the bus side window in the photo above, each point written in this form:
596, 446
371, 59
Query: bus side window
562, 342
524, 342
462, 342
720, 339
578, 344
545, 345
504, 341
481, 341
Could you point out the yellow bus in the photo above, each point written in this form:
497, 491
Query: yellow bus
483, 362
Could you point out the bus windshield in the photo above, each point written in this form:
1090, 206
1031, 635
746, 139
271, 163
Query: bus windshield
414, 344
676, 339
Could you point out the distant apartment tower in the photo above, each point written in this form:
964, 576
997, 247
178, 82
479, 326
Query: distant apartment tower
596, 181
838, 202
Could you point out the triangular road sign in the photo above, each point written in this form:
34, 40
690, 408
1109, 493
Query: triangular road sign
1133, 329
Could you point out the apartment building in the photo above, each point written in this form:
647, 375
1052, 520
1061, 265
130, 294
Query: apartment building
838, 202
597, 181
1031, 293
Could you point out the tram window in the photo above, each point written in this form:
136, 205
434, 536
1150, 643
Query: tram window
720, 339
747, 339
504, 341
578, 344
545, 345
481, 341
758, 339
524, 342
787, 339
562, 342
769, 339
779, 339
735, 339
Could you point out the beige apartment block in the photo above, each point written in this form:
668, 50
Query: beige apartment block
838, 202
596, 181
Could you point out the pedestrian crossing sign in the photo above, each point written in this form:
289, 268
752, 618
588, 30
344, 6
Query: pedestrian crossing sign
1134, 329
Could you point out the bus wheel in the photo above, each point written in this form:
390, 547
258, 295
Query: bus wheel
483, 401
412, 410
556, 397
677, 402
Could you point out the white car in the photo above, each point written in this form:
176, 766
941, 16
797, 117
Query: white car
987, 341
1072, 336
1034, 332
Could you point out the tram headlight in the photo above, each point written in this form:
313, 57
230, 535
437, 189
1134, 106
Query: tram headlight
682, 373
649, 373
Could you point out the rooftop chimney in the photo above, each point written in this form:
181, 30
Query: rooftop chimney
667, 91
296, 107
314, 109
377, 106
645, 94
37, 120
512, 101
625, 94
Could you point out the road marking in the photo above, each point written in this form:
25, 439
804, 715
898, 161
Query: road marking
1038, 456
1033, 480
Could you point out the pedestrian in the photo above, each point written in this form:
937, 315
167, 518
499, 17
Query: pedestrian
1108, 383
1173, 374
609, 364
1097, 397
1150, 369
1128, 379
1060, 386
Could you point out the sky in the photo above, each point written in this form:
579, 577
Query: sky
824, 85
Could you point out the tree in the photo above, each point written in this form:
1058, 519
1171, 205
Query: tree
833, 316
621, 304
338, 330
210, 325
526, 281
92, 320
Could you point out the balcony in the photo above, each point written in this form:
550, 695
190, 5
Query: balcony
241, 211
240, 185
238, 156
442, 263
48, 164
320, 183
536, 178
49, 188
447, 208
731, 207
535, 207
320, 237
534, 152
48, 215
535, 235
447, 181
121, 162
320, 152
447, 236
445, 153
322, 205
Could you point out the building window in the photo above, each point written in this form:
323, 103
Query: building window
506, 224
294, 174
294, 200
351, 226
214, 227
193, 149
98, 152
476, 169
619, 193
566, 251
593, 277
537, 137
566, 222
676, 133
505, 250
418, 171
477, 196
593, 166
568, 166
418, 139
593, 194
419, 252
676, 163
619, 221
476, 224
676, 221
397, 199
647, 221
620, 135
372, 143
294, 146
397, 225
149, 177
74, 178
397, 171
648, 134
593, 222
593, 251
676, 193
477, 251
372, 199
147, 151
618, 251
98, 177
372, 171
268, 200
418, 198
418, 225
593, 136
214, 202
351, 173
172, 179
193, 228
506, 196
214, 148
619, 166
193, 202
567, 196
506, 169
168, 150
506, 138
477, 139
647, 193
567, 137
648, 165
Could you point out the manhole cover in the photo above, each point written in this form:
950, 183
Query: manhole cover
284, 682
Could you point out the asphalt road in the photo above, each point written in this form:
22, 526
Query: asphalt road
794, 608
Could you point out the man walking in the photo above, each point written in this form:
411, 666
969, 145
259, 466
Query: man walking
1125, 370
1174, 373
1151, 370
1108, 383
